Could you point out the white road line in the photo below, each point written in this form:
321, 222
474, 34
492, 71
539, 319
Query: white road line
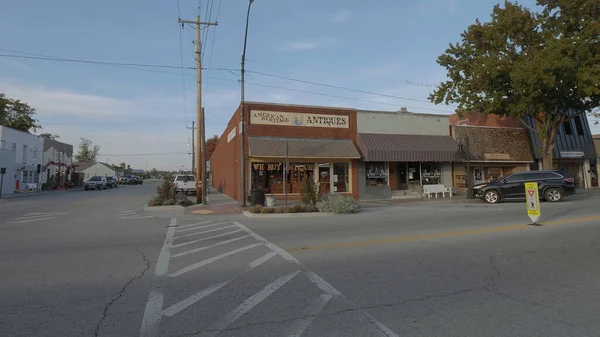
250, 303
310, 313
260, 260
198, 233
317, 280
387, 332
195, 224
178, 307
322, 284
33, 220
208, 247
211, 260
137, 217
205, 226
154, 305
129, 212
204, 239
42, 214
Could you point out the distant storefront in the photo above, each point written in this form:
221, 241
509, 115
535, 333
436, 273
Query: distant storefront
493, 153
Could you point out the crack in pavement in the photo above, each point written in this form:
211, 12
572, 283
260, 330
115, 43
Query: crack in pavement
121, 293
391, 304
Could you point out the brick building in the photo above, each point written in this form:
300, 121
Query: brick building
319, 143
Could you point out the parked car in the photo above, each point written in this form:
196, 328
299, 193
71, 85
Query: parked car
137, 180
185, 183
552, 186
125, 180
95, 183
112, 182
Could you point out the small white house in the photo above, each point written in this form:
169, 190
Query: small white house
28, 150
88, 170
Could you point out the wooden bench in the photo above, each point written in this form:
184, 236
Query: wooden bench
435, 189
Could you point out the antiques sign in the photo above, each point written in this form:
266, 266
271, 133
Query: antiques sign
298, 119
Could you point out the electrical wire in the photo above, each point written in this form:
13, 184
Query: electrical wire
345, 97
185, 112
336, 87
141, 154
212, 48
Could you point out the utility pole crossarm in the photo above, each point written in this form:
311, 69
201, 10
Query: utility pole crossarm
216, 23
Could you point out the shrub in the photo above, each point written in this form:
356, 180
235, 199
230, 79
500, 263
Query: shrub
166, 190
338, 204
255, 209
267, 210
169, 202
309, 193
280, 210
186, 202
155, 201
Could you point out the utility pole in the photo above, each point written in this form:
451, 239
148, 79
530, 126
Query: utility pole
203, 186
193, 128
199, 110
243, 108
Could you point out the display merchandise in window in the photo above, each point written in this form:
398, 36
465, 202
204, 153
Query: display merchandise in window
271, 177
376, 174
431, 173
340, 178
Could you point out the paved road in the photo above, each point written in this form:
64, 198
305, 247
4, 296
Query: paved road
99, 266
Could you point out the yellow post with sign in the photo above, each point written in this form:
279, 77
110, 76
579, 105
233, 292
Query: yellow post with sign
533, 202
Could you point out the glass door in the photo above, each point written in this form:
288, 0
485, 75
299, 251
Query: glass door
324, 178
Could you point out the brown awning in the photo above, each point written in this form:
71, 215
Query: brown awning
302, 148
407, 148
495, 144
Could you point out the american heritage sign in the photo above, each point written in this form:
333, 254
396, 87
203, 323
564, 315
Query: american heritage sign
299, 119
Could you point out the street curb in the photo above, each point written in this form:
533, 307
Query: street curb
288, 215
163, 208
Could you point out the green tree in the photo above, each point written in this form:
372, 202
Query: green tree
123, 166
87, 151
49, 136
543, 65
211, 145
17, 115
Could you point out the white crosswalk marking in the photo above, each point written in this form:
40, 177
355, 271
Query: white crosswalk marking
222, 290
212, 259
35, 217
250, 303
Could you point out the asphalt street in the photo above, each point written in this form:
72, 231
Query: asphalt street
95, 264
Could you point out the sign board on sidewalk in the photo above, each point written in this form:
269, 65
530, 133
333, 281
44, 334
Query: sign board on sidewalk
533, 201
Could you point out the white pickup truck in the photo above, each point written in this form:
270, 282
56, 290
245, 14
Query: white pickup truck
185, 183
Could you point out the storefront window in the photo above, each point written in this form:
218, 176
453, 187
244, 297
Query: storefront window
376, 174
340, 178
431, 173
270, 177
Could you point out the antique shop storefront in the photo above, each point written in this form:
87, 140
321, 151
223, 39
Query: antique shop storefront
286, 147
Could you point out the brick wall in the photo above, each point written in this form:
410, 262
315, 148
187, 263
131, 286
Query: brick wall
478, 119
226, 157
225, 160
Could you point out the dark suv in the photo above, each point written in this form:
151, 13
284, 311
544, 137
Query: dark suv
552, 186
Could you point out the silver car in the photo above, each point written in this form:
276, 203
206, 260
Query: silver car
96, 183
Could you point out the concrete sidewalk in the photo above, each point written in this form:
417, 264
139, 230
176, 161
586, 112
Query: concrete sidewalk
33, 194
218, 203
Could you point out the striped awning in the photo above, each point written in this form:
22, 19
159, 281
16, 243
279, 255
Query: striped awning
407, 148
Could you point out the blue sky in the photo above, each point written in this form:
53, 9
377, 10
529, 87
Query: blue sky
382, 46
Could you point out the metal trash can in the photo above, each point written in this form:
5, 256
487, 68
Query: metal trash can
258, 197
271, 201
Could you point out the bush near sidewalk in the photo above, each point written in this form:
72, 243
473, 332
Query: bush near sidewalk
165, 194
337, 203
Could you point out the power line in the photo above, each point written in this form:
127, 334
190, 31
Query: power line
212, 48
427, 85
344, 97
119, 64
185, 113
337, 87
